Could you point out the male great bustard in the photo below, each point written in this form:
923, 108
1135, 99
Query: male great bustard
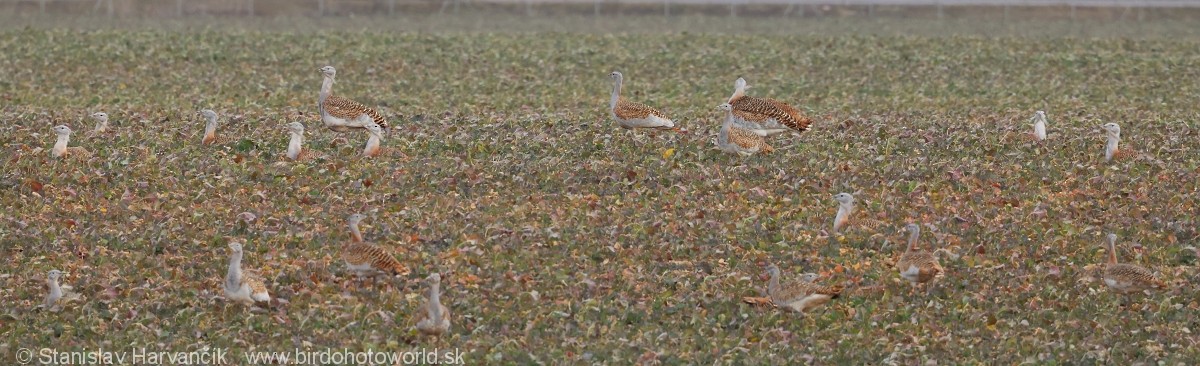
341, 114
632, 115
765, 116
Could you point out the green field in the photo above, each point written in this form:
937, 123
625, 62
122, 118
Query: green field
565, 240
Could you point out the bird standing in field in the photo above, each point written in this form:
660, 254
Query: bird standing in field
632, 114
916, 265
847, 207
341, 114
56, 292
738, 140
376, 134
1127, 279
1039, 125
765, 116
433, 318
210, 126
241, 286
295, 150
366, 259
1112, 150
800, 296
61, 149
101, 122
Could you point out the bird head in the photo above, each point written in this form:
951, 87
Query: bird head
208, 113
355, 218
295, 128
1112, 129
329, 71
55, 274
844, 198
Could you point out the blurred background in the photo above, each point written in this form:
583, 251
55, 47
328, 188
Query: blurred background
1082, 10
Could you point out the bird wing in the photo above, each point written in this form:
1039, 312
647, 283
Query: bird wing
634, 110
748, 140
927, 265
759, 109
1140, 277
348, 109
362, 253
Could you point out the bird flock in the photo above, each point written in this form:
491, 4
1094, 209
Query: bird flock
747, 122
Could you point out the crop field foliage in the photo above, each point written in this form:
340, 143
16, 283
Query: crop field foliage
565, 240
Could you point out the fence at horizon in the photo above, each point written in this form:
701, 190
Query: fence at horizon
1070, 9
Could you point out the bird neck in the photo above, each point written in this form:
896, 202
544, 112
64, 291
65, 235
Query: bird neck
912, 240
435, 302
616, 94
355, 234
210, 127
326, 88
844, 211
61, 143
726, 125
1112, 253
234, 276
295, 145
1110, 148
55, 291
372, 147
773, 283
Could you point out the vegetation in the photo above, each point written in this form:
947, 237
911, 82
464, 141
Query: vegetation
563, 239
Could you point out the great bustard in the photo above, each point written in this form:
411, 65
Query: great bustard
1112, 150
56, 292
366, 259
341, 114
1124, 278
61, 149
210, 126
916, 265
244, 287
101, 122
799, 296
847, 207
376, 134
737, 140
632, 114
765, 116
1039, 125
433, 317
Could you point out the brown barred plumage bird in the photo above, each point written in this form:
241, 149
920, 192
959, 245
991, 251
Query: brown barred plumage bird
738, 140
765, 116
1125, 278
241, 286
341, 114
365, 259
845, 215
210, 126
433, 317
296, 150
632, 114
61, 149
101, 122
799, 296
916, 265
375, 133
1112, 149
